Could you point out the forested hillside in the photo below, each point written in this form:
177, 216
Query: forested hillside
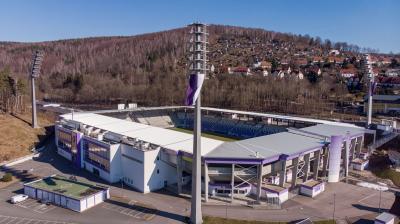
150, 69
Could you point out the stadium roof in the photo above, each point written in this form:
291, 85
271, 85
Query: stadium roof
329, 130
166, 138
267, 147
287, 144
277, 116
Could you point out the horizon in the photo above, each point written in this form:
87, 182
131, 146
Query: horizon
32, 22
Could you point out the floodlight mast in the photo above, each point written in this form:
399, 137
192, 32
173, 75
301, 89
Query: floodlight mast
198, 65
35, 72
371, 85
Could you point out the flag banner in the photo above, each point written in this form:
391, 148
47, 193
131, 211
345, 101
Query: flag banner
372, 88
194, 87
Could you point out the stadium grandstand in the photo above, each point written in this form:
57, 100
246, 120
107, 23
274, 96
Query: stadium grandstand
269, 154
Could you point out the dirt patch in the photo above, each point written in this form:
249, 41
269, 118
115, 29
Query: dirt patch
17, 137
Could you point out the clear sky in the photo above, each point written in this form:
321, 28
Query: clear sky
367, 23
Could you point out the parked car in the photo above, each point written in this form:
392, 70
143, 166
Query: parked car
45, 201
18, 198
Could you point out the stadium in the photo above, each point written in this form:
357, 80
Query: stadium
244, 154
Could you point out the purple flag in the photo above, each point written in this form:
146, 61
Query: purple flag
372, 89
194, 87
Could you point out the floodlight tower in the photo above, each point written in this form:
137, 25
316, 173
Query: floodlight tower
371, 85
35, 72
198, 65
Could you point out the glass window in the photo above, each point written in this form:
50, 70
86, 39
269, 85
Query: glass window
97, 155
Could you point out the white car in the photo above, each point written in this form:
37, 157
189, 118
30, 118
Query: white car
18, 198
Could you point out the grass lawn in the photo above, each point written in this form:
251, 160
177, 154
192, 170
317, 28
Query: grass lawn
207, 135
388, 173
216, 220
379, 165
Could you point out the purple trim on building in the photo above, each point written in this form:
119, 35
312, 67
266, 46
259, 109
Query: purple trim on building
169, 151
232, 160
274, 191
78, 157
312, 188
186, 154
271, 159
379, 221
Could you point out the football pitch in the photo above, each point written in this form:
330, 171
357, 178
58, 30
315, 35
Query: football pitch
207, 135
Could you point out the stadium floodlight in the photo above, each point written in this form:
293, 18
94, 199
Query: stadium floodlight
371, 86
35, 72
197, 68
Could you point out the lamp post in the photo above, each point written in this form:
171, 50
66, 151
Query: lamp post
198, 65
35, 72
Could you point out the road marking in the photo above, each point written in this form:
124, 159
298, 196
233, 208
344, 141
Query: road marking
360, 201
21, 220
12, 220
2, 221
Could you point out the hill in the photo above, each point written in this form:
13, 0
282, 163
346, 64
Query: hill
17, 136
150, 69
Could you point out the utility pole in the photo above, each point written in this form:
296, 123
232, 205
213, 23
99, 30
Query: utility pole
198, 68
371, 85
35, 72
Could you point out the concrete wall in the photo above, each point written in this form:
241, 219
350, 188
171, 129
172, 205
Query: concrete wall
157, 174
132, 167
115, 163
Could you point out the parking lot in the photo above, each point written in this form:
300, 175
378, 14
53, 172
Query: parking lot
35, 205
19, 220
132, 209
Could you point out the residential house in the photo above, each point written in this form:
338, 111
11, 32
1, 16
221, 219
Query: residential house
348, 72
239, 71
317, 59
302, 61
266, 65
336, 60
334, 52
392, 72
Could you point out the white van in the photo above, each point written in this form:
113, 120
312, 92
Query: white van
18, 198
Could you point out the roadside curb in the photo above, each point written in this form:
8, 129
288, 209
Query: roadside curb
19, 160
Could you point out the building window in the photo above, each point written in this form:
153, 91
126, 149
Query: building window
158, 171
97, 155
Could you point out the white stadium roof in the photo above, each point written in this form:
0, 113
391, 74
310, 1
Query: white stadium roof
293, 142
166, 138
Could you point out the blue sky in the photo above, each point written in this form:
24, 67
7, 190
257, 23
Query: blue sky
367, 23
